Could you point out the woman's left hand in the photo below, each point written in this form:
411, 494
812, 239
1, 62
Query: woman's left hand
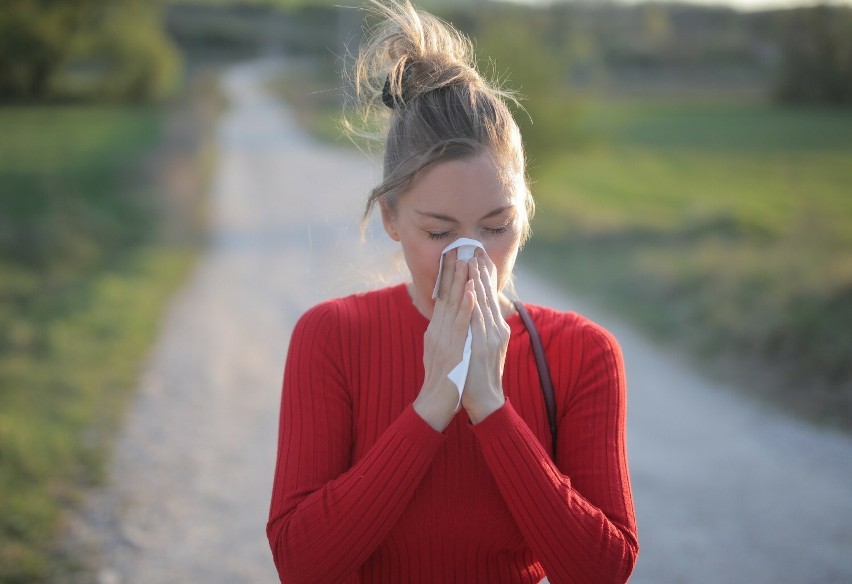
483, 392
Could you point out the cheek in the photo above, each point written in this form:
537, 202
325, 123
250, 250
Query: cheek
503, 256
423, 260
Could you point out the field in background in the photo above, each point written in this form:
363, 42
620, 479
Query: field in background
721, 226
87, 265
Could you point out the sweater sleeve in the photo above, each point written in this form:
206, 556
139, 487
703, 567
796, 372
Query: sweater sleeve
327, 516
577, 515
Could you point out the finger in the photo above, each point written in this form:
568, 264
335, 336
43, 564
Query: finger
448, 261
457, 284
489, 274
467, 307
481, 293
477, 324
456, 292
438, 312
488, 268
461, 323
442, 303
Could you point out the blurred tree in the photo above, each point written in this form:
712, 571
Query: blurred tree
35, 39
525, 51
816, 45
84, 49
124, 55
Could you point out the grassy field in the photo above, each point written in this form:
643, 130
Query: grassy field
724, 227
85, 272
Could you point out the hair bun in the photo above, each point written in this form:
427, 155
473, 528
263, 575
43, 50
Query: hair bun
393, 100
411, 53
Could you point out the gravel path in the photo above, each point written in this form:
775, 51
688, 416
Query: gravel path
725, 491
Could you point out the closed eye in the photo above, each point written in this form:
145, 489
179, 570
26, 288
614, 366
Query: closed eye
438, 235
498, 230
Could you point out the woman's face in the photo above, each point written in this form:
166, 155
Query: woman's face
448, 200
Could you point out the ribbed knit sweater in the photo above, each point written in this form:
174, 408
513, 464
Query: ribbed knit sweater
366, 491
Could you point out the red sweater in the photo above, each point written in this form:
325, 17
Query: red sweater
366, 491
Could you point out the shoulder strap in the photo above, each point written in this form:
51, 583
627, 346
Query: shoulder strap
543, 369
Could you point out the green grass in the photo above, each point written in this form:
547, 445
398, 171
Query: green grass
83, 281
71, 139
60, 400
724, 227
64, 175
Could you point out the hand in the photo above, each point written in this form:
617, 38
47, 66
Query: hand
443, 343
483, 392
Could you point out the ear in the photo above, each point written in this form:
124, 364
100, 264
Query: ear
389, 220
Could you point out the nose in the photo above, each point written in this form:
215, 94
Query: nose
470, 234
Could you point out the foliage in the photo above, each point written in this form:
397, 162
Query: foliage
126, 56
816, 44
35, 38
520, 46
84, 49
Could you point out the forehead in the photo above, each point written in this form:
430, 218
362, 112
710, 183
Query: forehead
455, 186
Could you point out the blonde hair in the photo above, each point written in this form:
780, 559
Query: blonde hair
420, 72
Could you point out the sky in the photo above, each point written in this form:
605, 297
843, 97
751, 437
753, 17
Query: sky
759, 4
739, 4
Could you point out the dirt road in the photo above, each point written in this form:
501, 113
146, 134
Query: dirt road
725, 491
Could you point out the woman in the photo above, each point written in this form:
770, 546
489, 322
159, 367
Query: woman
385, 473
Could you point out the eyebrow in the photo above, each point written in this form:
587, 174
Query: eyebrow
452, 220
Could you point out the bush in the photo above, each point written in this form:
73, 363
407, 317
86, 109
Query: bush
519, 46
84, 49
127, 57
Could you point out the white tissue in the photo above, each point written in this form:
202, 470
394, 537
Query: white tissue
466, 249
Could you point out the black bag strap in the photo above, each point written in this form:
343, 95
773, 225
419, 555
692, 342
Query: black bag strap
543, 369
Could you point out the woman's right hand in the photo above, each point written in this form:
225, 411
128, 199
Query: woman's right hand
443, 343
